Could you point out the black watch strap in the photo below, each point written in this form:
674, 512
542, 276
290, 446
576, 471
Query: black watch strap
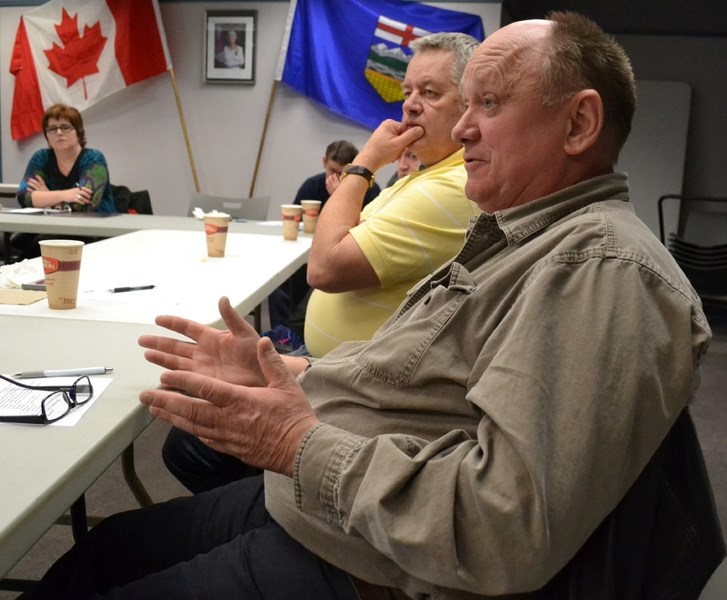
350, 169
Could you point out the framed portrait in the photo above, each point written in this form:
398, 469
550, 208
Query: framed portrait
229, 48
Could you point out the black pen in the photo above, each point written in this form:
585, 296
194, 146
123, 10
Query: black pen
117, 290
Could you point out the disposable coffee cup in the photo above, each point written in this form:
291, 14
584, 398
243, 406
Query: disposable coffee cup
216, 225
291, 219
311, 209
62, 267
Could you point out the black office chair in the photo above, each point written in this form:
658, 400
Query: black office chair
127, 201
665, 532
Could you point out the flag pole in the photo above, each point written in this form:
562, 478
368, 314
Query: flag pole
180, 110
273, 89
278, 77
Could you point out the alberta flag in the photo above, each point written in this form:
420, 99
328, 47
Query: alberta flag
79, 51
351, 55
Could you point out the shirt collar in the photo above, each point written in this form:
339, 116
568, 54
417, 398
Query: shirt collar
519, 222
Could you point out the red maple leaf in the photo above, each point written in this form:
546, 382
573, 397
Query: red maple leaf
78, 57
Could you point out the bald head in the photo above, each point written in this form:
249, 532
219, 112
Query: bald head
516, 53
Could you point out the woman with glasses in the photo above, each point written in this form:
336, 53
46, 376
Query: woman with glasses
66, 174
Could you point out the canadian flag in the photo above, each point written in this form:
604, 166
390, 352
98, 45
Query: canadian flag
77, 52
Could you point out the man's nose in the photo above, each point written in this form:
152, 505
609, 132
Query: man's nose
463, 130
411, 104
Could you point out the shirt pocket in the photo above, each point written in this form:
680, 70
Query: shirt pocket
396, 350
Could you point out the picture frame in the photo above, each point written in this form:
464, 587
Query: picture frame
229, 46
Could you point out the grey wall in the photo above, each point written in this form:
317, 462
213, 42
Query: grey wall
653, 156
702, 63
139, 130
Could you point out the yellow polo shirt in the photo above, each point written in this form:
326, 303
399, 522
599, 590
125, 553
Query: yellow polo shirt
408, 231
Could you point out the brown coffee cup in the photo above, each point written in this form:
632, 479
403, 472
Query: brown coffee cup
311, 210
291, 214
216, 225
62, 268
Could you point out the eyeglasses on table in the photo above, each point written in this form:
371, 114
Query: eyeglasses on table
55, 405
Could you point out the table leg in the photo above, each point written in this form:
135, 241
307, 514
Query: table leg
6, 247
132, 479
17, 585
79, 524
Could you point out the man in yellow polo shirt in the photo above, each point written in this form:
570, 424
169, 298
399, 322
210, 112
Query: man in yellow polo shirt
363, 262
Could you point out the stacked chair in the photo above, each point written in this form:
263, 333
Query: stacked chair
698, 242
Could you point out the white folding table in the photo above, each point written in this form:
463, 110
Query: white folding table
49, 468
188, 284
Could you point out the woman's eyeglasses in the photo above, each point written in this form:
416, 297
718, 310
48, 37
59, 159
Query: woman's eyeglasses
56, 405
63, 129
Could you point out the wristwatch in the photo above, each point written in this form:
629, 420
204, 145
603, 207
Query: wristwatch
350, 169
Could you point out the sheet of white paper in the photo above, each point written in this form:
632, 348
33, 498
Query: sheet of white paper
15, 400
31, 210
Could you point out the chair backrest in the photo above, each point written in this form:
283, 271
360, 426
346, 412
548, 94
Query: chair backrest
127, 201
663, 540
8, 196
249, 209
8, 190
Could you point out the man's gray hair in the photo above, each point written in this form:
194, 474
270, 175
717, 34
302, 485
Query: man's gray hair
460, 45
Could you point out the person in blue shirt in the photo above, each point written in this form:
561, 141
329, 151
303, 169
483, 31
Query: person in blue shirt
287, 304
321, 186
66, 174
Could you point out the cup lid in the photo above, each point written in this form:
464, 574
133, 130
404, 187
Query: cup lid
52, 243
217, 215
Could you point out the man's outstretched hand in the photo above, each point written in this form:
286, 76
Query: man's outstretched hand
262, 426
229, 356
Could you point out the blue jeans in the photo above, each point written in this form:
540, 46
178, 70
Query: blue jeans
220, 544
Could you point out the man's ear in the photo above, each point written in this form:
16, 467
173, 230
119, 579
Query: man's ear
585, 122
324, 160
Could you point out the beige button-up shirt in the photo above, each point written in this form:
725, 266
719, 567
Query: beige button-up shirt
477, 441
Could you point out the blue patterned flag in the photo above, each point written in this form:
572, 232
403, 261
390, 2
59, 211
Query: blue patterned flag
351, 55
